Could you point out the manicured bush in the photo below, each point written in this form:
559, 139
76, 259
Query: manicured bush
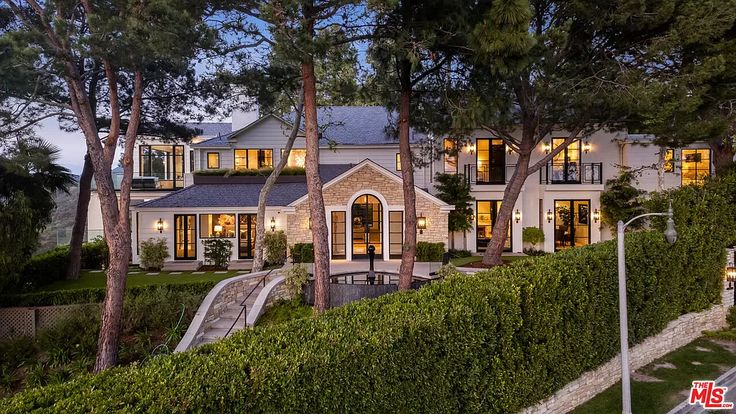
302, 253
153, 253
494, 342
95, 254
275, 247
217, 252
532, 235
430, 252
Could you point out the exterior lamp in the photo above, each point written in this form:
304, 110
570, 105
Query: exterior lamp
273, 224
550, 216
421, 223
509, 150
731, 275
587, 147
670, 234
309, 223
218, 229
471, 148
517, 215
547, 147
596, 215
160, 225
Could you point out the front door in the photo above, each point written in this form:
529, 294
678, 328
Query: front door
367, 226
486, 213
185, 237
572, 223
246, 235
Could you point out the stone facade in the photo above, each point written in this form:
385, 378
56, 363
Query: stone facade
677, 334
367, 180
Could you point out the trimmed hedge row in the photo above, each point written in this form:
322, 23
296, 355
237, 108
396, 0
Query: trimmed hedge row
95, 295
494, 342
430, 252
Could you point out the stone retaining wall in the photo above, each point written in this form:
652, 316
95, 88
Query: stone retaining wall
677, 334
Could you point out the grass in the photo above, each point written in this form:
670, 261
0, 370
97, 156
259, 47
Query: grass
90, 279
283, 311
660, 397
462, 261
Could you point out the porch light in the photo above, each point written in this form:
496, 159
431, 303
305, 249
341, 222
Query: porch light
517, 215
547, 147
471, 148
218, 229
273, 224
596, 215
421, 223
309, 223
509, 150
160, 225
550, 216
587, 147
731, 274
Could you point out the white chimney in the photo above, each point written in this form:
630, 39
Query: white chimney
246, 110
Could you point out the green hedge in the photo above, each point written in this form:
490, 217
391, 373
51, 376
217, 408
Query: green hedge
94, 295
430, 252
493, 343
302, 253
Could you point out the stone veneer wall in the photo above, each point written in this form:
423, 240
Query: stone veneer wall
678, 333
367, 178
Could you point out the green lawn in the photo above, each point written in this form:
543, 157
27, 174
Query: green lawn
660, 397
462, 261
136, 277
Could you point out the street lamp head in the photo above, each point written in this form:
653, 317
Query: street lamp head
670, 234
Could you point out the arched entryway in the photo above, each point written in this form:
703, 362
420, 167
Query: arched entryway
367, 226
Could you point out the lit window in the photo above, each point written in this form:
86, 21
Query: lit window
669, 161
450, 149
297, 158
398, 162
695, 166
213, 160
253, 159
217, 225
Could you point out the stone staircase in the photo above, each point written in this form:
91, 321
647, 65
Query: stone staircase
233, 316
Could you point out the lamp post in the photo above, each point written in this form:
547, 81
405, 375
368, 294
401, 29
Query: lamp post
670, 235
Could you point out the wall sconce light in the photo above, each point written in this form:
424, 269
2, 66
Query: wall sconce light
517, 215
550, 216
731, 273
421, 223
596, 215
160, 225
509, 150
547, 147
273, 224
309, 223
587, 147
471, 148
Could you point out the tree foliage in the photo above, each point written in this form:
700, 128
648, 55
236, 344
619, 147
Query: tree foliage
454, 189
622, 200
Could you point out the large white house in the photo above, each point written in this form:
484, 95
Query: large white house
178, 194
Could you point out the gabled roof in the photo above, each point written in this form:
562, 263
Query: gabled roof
211, 129
240, 195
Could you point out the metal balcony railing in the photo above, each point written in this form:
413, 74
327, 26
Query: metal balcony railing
571, 173
483, 173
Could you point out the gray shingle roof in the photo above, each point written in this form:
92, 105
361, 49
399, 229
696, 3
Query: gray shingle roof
345, 125
211, 129
240, 195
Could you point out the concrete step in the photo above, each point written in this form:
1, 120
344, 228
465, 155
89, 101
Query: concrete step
214, 333
226, 323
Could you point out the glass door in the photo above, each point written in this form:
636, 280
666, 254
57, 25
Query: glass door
490, 161
395, 234
572, 223
486, 213
246, 235
185, 237
566, 164
367, 229
338, 234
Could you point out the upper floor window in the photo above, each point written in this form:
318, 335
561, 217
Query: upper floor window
213, 160
217, 225
297, 158
490, 161
166, 162
566, 164
450, 149
669, 160
695, 166
251, 159
398, 162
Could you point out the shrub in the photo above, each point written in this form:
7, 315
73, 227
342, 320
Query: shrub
275, 247
302, 253
731, 317
217, 252
296, 277
493, 342
459, 253
95, 254
430, 252
153, 253
532, 235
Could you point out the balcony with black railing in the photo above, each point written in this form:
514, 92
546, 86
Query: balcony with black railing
571, 173
485, 173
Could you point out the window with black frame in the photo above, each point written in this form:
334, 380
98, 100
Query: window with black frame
490, 161
566, 164
165, 162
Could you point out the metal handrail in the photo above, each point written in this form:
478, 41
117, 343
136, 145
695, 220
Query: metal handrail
243, 306
482, 175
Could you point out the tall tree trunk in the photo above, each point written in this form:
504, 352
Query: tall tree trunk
314, 189
492, 256
409, 250
723, 153
80, 221
270, 182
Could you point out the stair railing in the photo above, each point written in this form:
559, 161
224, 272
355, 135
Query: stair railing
244, 306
